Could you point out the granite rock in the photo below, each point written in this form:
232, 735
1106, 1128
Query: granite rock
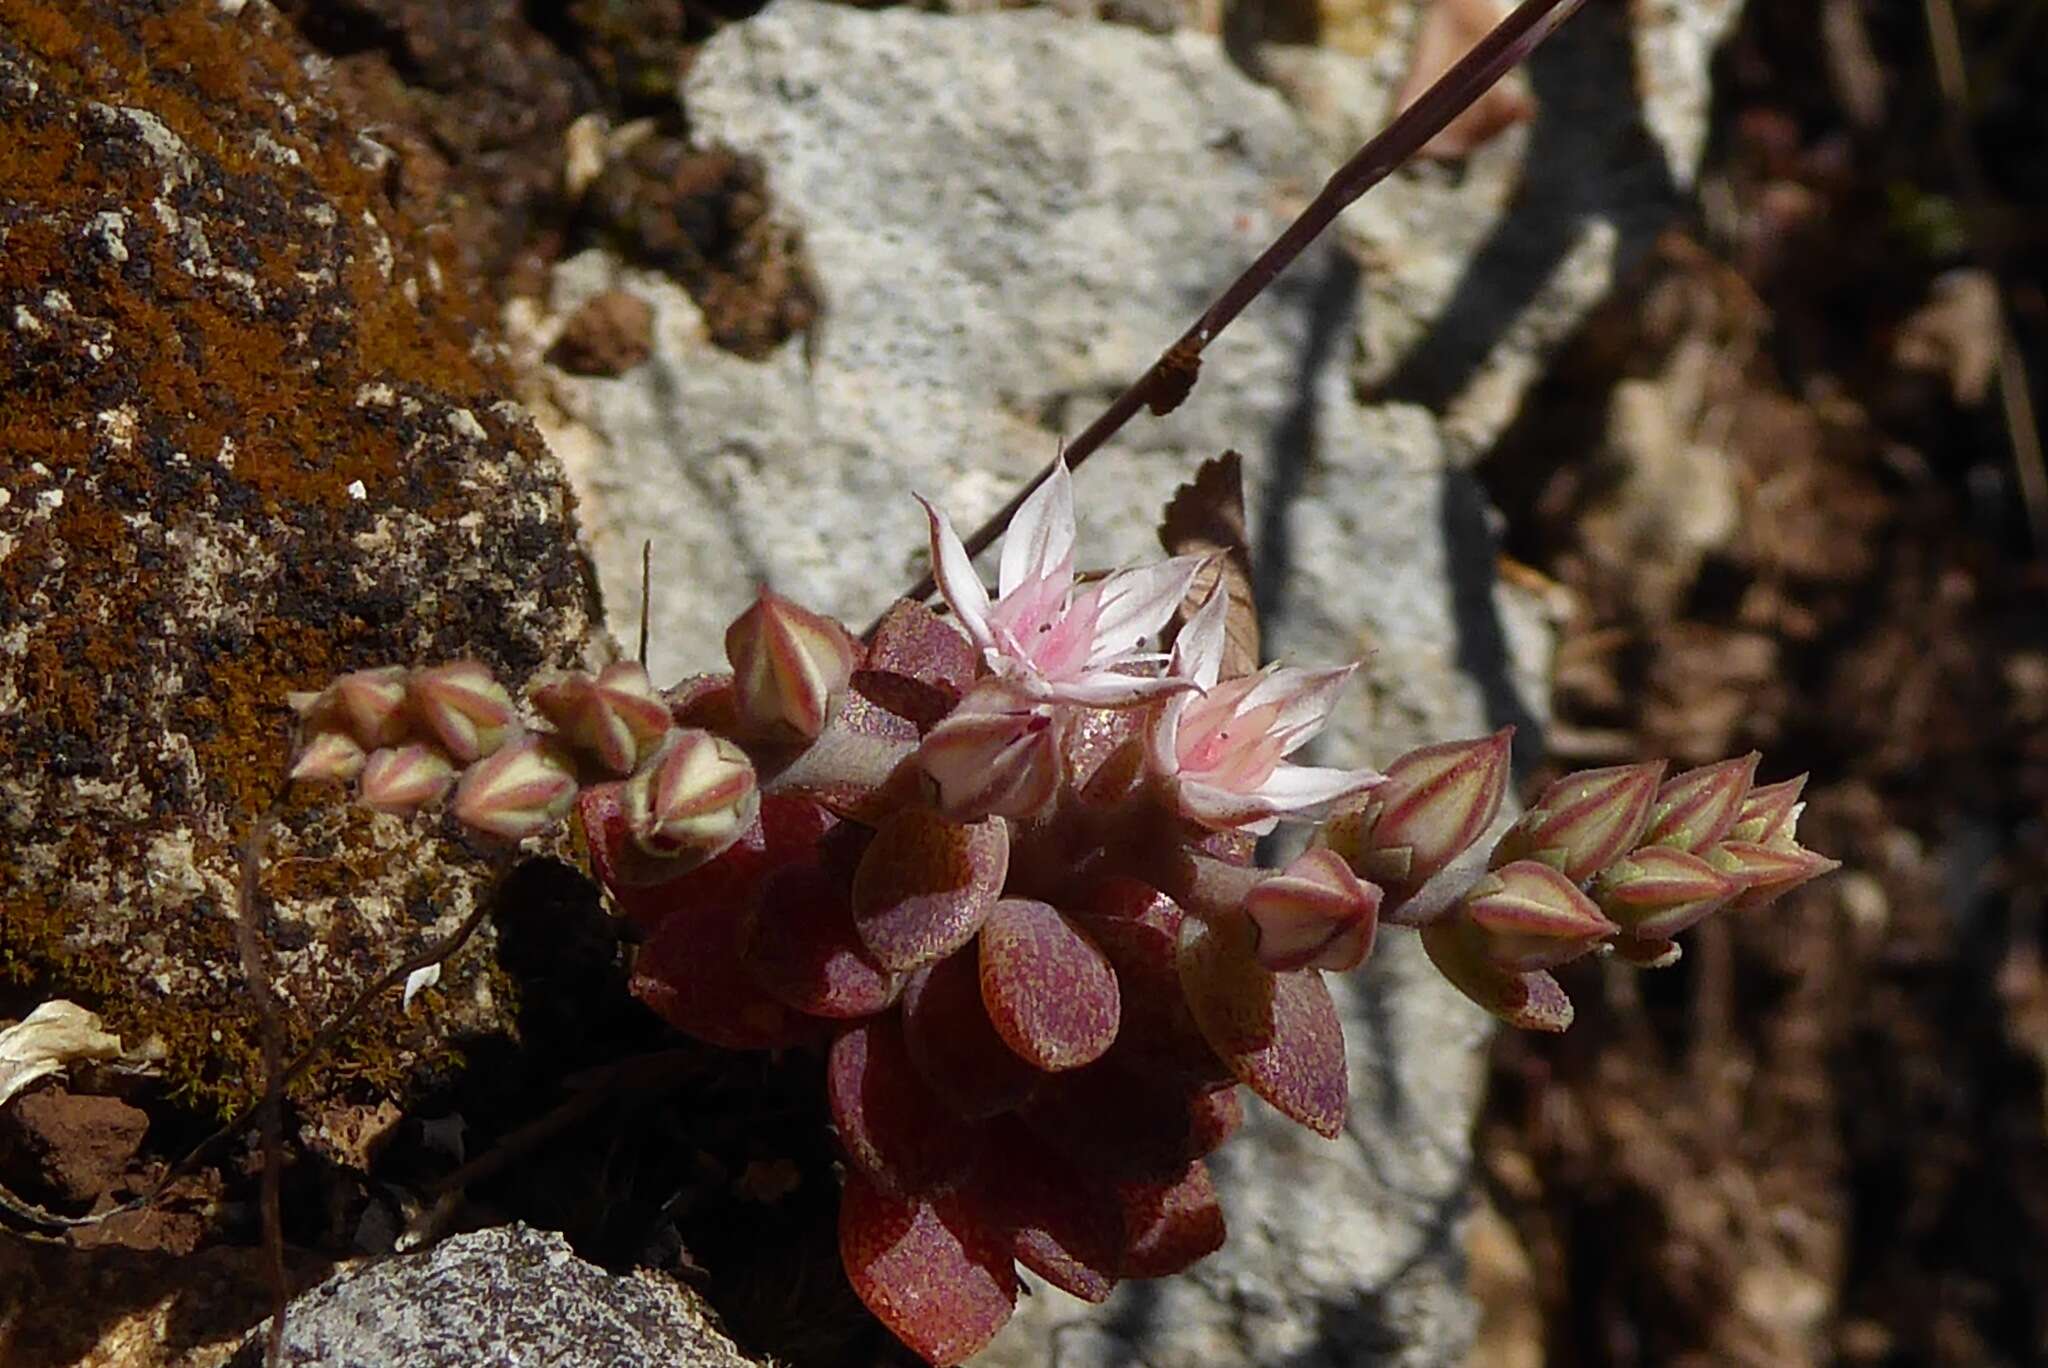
1006, 216
251, 437
510, 1295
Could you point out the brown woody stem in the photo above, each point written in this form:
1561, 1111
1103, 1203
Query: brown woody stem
1171, 377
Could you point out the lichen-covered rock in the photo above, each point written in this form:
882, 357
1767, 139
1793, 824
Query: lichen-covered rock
249, 439
510, 1295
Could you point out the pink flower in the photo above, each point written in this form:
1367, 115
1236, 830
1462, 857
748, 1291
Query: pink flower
1224, 749
1050, 639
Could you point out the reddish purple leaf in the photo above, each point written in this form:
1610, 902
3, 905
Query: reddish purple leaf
787, 829
689, 972
1280, 1032
954, 1045
937, 1276
1063, 1227
926, 884
1125, 1120
1050, 994
912, 640
798, 942
1155, 1024
893, 1128
1169, 1227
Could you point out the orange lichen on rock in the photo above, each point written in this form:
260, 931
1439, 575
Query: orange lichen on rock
253, 436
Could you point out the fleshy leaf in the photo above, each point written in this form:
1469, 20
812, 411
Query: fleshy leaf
1122, 1119
799, 943
1169, 1227
929, 1269
1142, 945
1530, 1001
1062, 1226
953, 1044
690, 973
1279, 1032
926, 885
894, 1129
1050, 993
785, 830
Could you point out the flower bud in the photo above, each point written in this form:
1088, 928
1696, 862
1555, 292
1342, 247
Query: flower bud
1648, 954
615, 717
1770, 814
367, 704
1695, 809
1531, 1001
1767, 873
1529, 916
1584, 821
1659, 891
328, 754
404, 779
787, 663
693, 799
996, 754
1315, 914
1434, 803
467, 710
518, 790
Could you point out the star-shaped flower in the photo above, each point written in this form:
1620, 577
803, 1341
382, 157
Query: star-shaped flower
1049, 638
1223, 748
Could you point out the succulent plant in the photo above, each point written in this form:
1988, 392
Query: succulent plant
999, 871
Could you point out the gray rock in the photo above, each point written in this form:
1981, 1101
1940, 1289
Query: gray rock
1008, 215
511, 1297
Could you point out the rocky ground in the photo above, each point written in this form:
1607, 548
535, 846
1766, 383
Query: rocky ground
1767, 491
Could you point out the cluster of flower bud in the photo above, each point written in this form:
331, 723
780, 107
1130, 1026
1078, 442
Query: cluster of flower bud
999, 867
1616, 860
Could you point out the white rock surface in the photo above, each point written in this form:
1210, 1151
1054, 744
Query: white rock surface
1009, 215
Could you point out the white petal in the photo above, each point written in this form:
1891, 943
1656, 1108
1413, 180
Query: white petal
1162, 738
1304, 792
1104, 689
1305, 699
1137, 603
418, 981
1041, 535
953, 569
1198, 650
1224, 810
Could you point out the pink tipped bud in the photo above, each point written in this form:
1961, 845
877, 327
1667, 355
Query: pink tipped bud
404, 779
1770, 814
1767, 873
1528, 916
615, 717
1648, 954
787, 663
1659, 891
1584, 821
1434, 803
996, 754
693, 800
468, 712
520, 789
1695, 809
328, 755
1531, 1001
1315, 914
368, 704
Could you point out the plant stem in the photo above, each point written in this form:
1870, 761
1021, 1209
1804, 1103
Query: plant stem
1171, 377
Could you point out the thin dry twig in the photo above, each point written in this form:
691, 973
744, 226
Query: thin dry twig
2014, 384
256, 971
1173, 375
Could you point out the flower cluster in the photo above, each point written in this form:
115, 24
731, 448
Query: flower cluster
999, 870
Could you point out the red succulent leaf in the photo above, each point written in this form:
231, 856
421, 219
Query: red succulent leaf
912, 640
894, 1129
1531, 1000
1062, 1226
1232, 847
930, 1269
706, 701
953, 1044
1154, 1024
1170, 1226
917, 705
1123, 1119
1090, 737
798, 942
1279, 1032
925, 885
1050, 993
690, 974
